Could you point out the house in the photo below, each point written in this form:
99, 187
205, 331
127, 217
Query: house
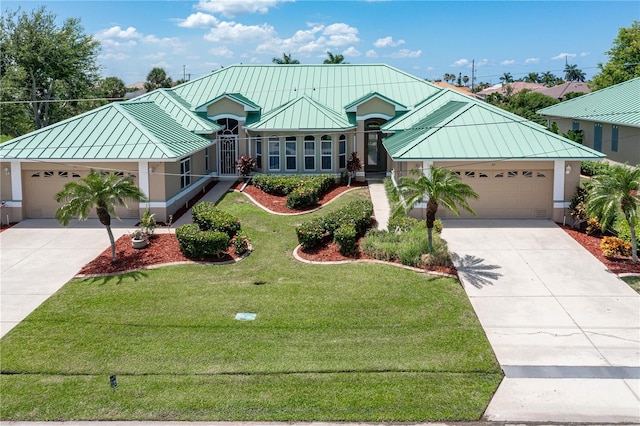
609, 119
561, 90
511, 88
462, 89
295, 119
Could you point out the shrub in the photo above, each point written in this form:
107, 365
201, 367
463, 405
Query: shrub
245, 165
197, 244
148, 222
303, 196
240, 245
210, 218
577, 205
592, 168
310, 233
623, 230
345, 238
301, 191
439, 256
614, 246
593, 225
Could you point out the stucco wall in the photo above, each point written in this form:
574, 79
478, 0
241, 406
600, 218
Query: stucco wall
225, 106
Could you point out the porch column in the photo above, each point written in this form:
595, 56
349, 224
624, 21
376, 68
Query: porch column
143, 179
426, 168
16, 182
559, 170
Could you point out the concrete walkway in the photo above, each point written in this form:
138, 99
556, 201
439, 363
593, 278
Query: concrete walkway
565, 330
380, 204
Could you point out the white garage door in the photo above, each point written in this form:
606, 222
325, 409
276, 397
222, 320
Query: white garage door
509, 194
40, 187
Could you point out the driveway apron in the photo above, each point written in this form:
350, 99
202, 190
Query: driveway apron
38, 256
565, 330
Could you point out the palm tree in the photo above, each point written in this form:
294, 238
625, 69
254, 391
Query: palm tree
104, 191
334, 59
614, 191
440, 186
285, 60
532, 77
465, 79
548, 79
573, 73
506, 78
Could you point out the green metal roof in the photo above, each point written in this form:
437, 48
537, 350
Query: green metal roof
249, 105
618, 104
302, 113
474, 130
179, 110
117, 131
335, 86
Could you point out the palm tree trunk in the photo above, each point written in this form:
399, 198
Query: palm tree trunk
634, 244
113, 243
430, 238
432, 208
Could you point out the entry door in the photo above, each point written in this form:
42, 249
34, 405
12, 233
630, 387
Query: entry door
228, 154
375, 154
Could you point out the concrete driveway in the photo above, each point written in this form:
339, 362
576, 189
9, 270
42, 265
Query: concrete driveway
565, 330
38, 256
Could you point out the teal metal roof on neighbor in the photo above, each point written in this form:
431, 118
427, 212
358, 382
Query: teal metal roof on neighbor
473, 130
302, 113
335, 86
117, 131
179, 110
618, 104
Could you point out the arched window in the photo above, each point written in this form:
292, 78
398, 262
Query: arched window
342, 152
326, 152
309, 152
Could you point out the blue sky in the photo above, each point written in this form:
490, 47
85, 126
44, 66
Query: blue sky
424, 38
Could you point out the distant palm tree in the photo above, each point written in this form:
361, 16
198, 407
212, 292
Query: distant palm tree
573, 73
285, 60
465, 79
441, 186
104, 191
616, 190
506, 78
548, 79
532, 77
334, 59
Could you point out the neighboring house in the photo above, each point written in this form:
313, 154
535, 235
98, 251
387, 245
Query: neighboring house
561, 90
462, 89
295, 119
609, 119
511, 88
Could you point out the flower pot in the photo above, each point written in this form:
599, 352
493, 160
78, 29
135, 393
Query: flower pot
139, 243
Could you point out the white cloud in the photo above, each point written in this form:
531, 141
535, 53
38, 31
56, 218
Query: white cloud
430, 68
117, 32
564, 56
371, 54
531, 61
233, 8
406, 53
583, 54
237, 33
341, 34
114, 57
114, 44
387, 42
352, 51
155, 56
222, 51
199, 20
460, 63
482, 63
508, 62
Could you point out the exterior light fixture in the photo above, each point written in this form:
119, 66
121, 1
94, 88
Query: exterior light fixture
7, 172
567, 170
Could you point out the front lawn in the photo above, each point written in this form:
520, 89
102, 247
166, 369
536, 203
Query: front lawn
633, 281
355, 342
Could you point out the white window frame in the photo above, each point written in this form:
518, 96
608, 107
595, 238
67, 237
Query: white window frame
185, 172
274, 141
259, 153
323, 156
207, 160
291, 142
312, 140
342, 152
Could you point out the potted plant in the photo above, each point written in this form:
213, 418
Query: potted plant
148, 223
139, 239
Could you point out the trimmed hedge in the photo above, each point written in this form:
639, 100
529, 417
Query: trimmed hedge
210, 218
356, 214
301, 191
345, 238
198, 244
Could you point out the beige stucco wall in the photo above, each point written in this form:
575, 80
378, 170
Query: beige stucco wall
225, 106
375, 106
628, 139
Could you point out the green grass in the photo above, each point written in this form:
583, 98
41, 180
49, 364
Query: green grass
5, 138
634, 282
355, 342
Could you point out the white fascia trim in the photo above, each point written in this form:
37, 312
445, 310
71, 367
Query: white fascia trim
373, 115
13, 204
232, 116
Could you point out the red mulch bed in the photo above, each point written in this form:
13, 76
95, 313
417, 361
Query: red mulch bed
163, 248
617, 265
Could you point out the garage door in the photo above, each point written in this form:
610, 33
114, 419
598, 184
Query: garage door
511, 193
40, 187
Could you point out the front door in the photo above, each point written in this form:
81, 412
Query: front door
375, 154
228, 154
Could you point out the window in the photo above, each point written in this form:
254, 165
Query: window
597, 137
342, 152
470, 174
499, 175
541, 175
512, 173
527, 173
326, 151
482, 175
575, 125
291, 154
207, 163
185, 173
614, 138
309, 153
259, 153
274, 153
